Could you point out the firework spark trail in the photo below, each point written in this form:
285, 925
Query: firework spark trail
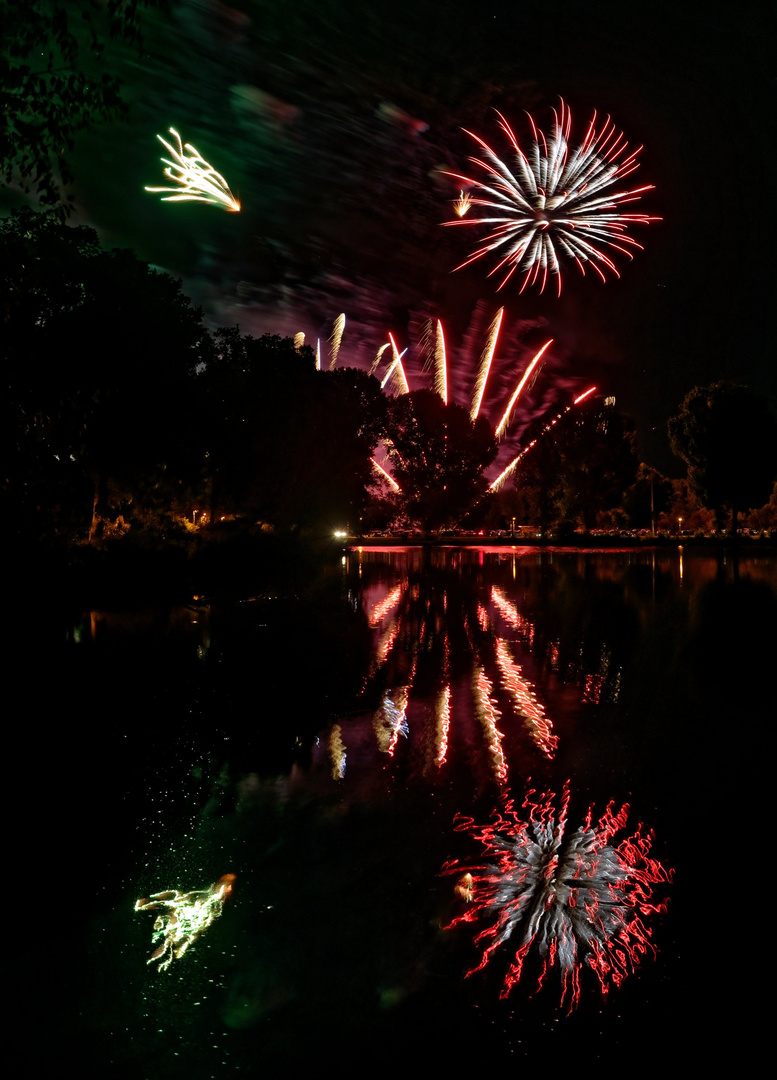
583, 396
440, 364
500, 428
376, 361
556, 202
337, 752
335, 339
574, 900
401, 378
496, 485
485, 364
389, 372
385, 475
197, 180
183, 917
395, 370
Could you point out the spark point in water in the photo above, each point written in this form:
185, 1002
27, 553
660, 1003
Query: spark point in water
572, 900
555, 201
197, 180
183, 917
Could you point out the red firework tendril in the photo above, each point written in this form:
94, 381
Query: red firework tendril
573, 898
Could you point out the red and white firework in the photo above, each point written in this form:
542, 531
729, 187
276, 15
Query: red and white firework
571, 899
555, 202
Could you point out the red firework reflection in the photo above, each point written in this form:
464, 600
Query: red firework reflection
573, 899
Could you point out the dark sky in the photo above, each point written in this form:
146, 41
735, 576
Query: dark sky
309, 111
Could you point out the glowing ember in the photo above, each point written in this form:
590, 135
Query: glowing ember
462, 204
572, 900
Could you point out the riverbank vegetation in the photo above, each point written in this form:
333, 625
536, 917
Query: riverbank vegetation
128, 425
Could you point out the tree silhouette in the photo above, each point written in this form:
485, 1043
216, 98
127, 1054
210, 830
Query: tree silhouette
52, 87
438, 456
579, 466
99, 354
287, 445
727, 437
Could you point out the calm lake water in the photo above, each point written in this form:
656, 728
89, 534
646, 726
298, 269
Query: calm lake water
337, 747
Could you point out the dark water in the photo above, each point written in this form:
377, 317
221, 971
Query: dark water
320, 744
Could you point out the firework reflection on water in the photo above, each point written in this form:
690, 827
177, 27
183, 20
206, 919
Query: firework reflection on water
571, 900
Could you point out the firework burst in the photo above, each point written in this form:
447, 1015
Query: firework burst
556, 202
196, 180
574, 899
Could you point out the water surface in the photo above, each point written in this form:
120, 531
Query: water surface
322, 747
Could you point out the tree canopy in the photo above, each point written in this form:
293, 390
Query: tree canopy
581, 464
99, 352
438, 456
287, 444
52, 86
727, 437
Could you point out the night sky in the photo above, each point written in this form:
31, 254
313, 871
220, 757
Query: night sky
335, 120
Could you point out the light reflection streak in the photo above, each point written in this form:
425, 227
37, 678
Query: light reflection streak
390, 720
539, 726
197, 180
183, 917
411, 628
488, 714
509, 611
440, 364
573, 901
443, 723
381, 609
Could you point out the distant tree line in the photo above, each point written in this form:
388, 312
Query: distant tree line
123, 415
581, 469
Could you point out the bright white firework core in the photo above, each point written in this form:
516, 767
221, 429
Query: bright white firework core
554, 203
